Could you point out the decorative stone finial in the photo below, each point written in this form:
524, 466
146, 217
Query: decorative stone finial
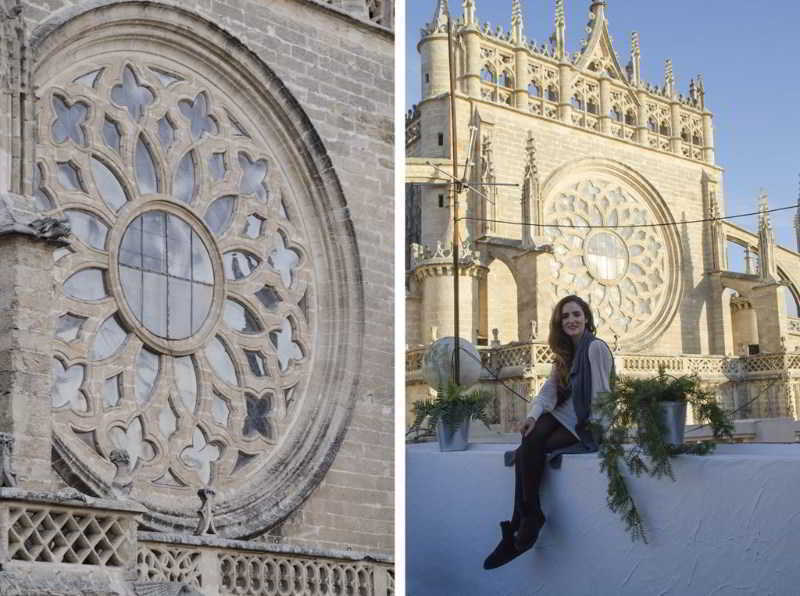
439, 22
206, 525
7, 475
495, 337
123, 480
534, 330
516, 22
669, 79
559, 37
468, 9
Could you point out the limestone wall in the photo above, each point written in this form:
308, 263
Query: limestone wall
338, 65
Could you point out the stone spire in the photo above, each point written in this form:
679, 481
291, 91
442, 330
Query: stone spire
766, 241
635, 72
516, 22
669, 79
468, 9
797, 218
439, 21
560, 34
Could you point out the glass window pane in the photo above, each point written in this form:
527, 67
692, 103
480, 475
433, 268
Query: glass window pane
179, 308
179, 238
108, 339
111, 134
67, 382
87, 284
221, 361
154, 241
201, 304
216, 165
239, 264
186, 381
239, 318
69, 326
108, 185
269, 297
88, 228
68, 176
131, 280
111, 391
166, 133
183, 188
220, 214
201, 262
145, 169
147, 367
154, 303
130, 252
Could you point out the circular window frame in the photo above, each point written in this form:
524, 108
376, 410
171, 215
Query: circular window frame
126, 216
308, 448
606, 282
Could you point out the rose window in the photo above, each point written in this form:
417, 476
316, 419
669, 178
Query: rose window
621, 270
183, 319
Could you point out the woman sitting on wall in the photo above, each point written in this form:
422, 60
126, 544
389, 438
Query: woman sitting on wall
559, 418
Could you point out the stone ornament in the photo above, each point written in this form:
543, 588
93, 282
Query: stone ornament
7, 476
206, 525
188, 313
625, 273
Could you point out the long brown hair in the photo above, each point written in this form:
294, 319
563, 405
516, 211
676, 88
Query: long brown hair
561, 344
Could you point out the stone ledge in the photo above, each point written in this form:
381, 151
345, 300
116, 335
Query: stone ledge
729, 524
216, 542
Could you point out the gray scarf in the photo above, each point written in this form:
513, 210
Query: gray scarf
579, 385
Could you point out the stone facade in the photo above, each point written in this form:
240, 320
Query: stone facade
615, 191
206, 353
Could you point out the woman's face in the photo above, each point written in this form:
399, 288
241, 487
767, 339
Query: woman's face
573, 321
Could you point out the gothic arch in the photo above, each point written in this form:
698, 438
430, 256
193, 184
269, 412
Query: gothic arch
258, 123
632, 274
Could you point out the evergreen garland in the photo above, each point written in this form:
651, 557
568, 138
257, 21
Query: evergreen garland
632, 411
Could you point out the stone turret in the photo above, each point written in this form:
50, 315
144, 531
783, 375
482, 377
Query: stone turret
433, 53
766, 241
516, 23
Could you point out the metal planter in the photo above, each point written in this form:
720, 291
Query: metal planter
673, 413
453, 438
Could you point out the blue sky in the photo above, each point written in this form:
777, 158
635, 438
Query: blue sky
746, 52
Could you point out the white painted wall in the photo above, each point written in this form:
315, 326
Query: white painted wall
729, 525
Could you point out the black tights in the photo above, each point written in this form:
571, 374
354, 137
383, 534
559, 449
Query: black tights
548, 434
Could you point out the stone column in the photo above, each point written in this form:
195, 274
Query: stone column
473, 75
770, 312
641, 125
605, 105
26, 338
564, 78
708, 138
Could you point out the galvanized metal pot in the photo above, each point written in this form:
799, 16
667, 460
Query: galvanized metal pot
673, 414
453, 438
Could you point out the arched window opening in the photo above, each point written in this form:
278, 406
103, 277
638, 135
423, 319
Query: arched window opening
577, 102
697, 139
651, 125
630, 117
506, 80
552, 93
487, 75
685, 135
592, 107
615, 114
663, 130
534, 89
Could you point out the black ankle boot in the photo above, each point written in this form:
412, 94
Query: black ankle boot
528, 532
505, 551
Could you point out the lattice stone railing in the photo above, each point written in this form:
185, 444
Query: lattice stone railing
236, 568
528, 356
66, 528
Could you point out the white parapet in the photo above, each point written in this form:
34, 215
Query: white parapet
730, 524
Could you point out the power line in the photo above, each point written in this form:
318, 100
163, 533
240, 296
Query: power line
650, 225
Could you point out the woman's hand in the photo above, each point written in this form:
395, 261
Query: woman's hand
527, 426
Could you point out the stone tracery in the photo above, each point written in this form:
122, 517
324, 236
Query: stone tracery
171, 205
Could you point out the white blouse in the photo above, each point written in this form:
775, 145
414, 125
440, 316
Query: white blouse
600, 362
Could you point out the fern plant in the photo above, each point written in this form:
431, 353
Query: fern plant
452, 405
633, 412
